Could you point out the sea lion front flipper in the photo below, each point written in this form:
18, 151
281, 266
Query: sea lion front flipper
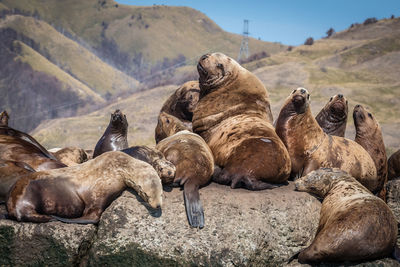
80, 220
193, 206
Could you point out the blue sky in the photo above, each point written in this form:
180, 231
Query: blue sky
284, 21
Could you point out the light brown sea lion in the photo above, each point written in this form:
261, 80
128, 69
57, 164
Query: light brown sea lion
4, 118
167, 124
369, 136
115, 136
164, 168
71, 156
79, 194
310, 148
333, 116
233, 116
194, 167
10, 172
354, 224
394, 165
21, 147
181, 105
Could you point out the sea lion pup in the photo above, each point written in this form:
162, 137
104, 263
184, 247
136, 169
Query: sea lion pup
79, 194
181, 105
194, 164
233, 116
310, 148
115, 136
333, 117
10, 172
71, 156
354, 224
4, 118
21, 147
164, 168
394, 165
167, 121
369, 136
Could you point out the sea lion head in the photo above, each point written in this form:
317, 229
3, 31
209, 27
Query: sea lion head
188, 96
168, 125
118, 120
320, 181
364, 121
4, 118
337, 107
165, 169
297, 102
215, 70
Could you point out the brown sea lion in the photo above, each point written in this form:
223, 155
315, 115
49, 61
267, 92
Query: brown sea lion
310, 148
354, 224
79, 194
233, 116
167, 124
194, 167
181, 105
394, 165
10, 172
21, 147
369, 136
115, 136
164, 168
333, 117
71, 156
4, 118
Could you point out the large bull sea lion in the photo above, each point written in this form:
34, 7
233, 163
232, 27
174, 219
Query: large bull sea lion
310, 148
354, 224
333, 116
10, 172
233, 116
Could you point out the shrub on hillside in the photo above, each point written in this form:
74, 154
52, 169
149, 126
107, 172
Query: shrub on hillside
370, 21
330, 32
309, 41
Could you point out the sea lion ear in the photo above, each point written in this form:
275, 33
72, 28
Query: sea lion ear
294, 91
330, 99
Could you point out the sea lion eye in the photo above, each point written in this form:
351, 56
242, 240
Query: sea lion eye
220, 66
370, 115
167, 121
330, 99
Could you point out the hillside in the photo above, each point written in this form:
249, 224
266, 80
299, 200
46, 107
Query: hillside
363, 68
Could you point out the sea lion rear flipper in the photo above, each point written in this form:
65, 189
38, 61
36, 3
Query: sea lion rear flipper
396, 253
193, 206
75, 220
252, 184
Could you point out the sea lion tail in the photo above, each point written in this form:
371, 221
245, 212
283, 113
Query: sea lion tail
193, 206
396, 253
75, 220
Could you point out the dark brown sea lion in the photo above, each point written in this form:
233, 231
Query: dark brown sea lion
71, 156
115, 137
369, 136
168, 123
4, 118
10, 172
333, 117
310, 148
394, 165
181, 105
164, 168
194, 167
79, 194
354, 224
21, 147
233, 116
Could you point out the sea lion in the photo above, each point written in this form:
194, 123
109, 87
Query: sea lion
181, 105
164, 168
394, 165
4, 118
115, 136
167, 124
21, 147
71, 156
354, 224
79, 194
233, 116
369, 136
310, 148
194, 164
333, 117
10, 172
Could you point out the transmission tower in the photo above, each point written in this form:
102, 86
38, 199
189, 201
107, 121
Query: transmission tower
244, 47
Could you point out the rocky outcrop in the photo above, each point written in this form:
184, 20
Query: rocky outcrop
242, 228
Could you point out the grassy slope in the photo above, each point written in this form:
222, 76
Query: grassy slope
156, 31
70, 56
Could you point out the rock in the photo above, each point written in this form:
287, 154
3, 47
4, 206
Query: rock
241, 228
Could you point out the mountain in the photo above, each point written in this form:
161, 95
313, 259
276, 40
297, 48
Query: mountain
361, 62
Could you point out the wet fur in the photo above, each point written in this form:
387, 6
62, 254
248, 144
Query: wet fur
333, 116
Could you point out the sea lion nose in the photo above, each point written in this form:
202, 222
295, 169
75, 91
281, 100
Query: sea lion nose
302, 91
340, 95
203, 57
169, 172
